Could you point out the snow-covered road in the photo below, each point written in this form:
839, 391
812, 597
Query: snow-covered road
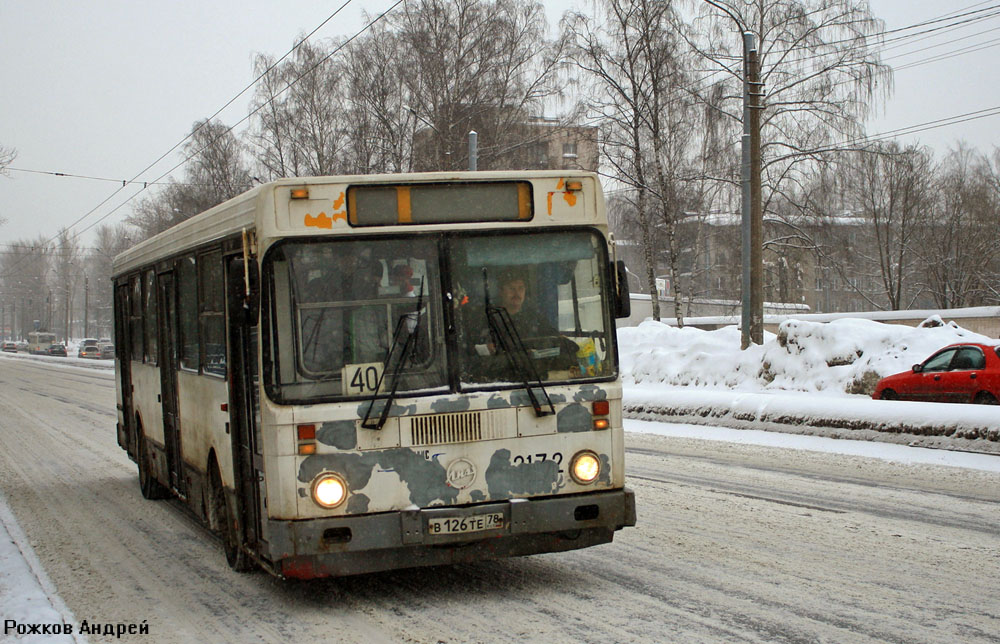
735, 542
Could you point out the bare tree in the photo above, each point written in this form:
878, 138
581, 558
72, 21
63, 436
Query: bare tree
473, 64
7, 156
891, 189
68, 269
216, 172
633, 74
819, 66
109, 241
25, 271
380, 124
959, 243
272, 135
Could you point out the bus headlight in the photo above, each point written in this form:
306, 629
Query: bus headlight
585, 467
329, 490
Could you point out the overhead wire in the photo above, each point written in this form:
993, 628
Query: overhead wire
135, 179
250, 114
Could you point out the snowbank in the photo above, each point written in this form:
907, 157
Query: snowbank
809, 378
842, 357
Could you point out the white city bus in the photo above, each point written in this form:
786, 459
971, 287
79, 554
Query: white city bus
351, 374
40, 341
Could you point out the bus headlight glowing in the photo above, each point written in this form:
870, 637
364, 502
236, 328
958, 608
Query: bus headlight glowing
329, 490
585, 467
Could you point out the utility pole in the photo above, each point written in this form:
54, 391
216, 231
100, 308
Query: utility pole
86, 306
756, 93
749, 43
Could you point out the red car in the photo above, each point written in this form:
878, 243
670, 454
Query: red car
967, 372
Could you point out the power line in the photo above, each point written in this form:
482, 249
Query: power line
179, 143
254, 111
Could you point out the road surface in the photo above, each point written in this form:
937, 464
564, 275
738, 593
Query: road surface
735, 543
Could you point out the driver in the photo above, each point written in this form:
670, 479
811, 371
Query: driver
531, 325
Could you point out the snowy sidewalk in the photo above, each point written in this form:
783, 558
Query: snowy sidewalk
943, 426
28, 602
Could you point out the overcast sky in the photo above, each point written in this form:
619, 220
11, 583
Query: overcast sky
104, 87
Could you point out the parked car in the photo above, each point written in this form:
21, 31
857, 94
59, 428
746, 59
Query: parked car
107, 350
22, 346
57, 350
89, 349
966, 372
9, 347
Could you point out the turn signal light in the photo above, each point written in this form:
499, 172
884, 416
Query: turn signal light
601, 423
300, 193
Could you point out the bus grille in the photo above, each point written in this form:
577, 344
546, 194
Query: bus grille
462, 427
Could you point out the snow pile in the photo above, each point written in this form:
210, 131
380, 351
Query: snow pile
845, 356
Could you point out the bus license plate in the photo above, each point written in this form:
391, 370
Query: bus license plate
459, 525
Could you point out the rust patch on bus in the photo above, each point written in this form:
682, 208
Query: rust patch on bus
590, 393
342, 434
504, 479
574, 418
319, 221
426, 479
447, 405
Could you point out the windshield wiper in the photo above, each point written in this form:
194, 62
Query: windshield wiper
408, 324
505, 338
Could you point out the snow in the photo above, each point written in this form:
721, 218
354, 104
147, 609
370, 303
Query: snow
26, 595
868, 449
806, 371
835, 358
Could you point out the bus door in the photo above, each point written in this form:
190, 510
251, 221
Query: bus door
244, 405
123, 358
168, 380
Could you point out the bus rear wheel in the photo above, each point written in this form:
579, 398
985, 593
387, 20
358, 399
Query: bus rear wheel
151, 488
223, 519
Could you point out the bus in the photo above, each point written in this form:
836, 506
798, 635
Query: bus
40, 341
344, 375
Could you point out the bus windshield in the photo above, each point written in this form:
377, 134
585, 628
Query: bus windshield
338, 306
539, 295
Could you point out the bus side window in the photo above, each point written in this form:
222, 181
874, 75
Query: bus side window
211, 314
187, 312
135, 318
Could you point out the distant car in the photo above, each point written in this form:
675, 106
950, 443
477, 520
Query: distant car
22, 345
9, 347
967, 372
57, 350
107, 350
89, 349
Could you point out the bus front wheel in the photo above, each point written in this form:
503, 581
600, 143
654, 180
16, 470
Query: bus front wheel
222, 518
151, 488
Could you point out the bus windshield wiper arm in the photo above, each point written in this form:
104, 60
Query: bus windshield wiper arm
408, 323
508, 340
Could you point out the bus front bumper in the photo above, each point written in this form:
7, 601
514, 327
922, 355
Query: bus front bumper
369, 543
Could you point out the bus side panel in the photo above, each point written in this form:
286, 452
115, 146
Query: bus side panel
203, 424
146, 401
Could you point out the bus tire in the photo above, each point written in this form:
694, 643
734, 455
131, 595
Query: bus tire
151, 488
221, 517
